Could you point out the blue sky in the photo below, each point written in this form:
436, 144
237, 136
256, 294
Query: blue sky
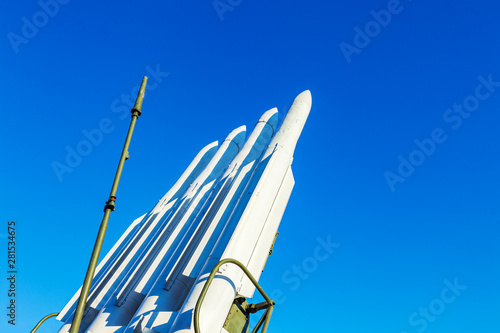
397, 165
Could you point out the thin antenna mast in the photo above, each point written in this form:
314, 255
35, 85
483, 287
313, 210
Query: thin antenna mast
108, 208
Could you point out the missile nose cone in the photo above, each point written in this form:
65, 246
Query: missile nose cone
268, 114
237, 136
208, 147
235, 132
304, 98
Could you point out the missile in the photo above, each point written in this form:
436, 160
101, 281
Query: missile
182, 221
174, 285
262, 207
131, 242
228, 203
157, 253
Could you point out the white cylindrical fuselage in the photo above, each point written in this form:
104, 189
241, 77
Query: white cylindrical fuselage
227, 204
262, 206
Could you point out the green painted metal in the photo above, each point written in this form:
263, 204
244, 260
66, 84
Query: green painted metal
108, 208
268, 314
260, 322
43, 319
270, 303
237, 320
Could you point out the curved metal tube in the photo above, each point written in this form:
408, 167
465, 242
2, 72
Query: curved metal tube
43, 319
269, 301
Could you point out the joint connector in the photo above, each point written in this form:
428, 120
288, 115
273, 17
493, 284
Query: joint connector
253, 308
110, 204
133, 111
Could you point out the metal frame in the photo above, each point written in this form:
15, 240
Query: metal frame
269, 306
43, 319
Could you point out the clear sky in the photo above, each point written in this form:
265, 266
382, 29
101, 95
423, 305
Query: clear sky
396, 169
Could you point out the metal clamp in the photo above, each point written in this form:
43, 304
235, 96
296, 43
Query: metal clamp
269, 304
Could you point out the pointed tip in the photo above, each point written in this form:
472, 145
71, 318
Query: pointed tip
212, 144
209, 146
304, 97
237, 136
268, 114
236, 131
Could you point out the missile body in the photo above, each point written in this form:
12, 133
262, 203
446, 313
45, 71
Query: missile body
130, 245
162, 248
174, 285
256, 219
227, 204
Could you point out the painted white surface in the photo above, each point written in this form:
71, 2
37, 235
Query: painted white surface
228, 203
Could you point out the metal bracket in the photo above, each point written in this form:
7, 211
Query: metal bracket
268, 304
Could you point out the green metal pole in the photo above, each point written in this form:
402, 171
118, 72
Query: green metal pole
108, 208
268, 317
259, 323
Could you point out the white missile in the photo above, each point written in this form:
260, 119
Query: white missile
127, 248
174, 285
227, 204
157, 254
262, 207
